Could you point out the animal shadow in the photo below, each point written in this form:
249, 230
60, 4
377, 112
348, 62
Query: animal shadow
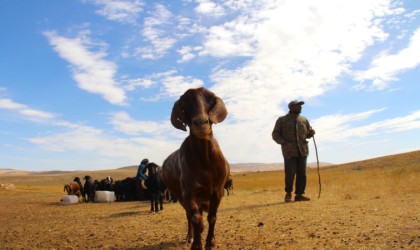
127, 214
164, 245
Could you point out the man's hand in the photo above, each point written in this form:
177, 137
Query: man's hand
311, 132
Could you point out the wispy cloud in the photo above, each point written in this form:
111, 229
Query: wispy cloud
90, 69
210, 8
255, 55
175, 86
124, 11
385, 67
154, 32
152, 139
280, 64
124, 123
25, 111
188, 53
342, 128
104, 146
170, 83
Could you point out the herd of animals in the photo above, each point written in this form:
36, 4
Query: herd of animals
196, 174
128, 189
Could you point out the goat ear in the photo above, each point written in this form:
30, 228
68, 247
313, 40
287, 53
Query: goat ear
219, 112
178, 117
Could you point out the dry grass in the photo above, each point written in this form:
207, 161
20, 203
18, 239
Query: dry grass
364, 205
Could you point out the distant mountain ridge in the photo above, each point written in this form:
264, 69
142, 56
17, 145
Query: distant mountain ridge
235, 167
253, 167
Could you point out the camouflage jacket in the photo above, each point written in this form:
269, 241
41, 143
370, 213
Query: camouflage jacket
291, 132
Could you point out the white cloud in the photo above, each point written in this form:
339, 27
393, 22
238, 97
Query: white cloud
385, 68
299, 50
235, 38
188, 53
139, 82
210, 8
90, 69
175, 86
291, 50
145, 138
340, 128
171, 84
124, 11
24, 110
124, 123
154, 32
102, 146
265, 53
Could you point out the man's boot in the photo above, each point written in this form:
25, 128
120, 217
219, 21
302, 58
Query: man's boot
300, 197
288, 197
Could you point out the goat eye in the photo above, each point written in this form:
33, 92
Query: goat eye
212, 104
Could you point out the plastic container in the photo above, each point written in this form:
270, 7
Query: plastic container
104, 196
69, 200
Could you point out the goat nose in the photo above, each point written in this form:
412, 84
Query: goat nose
201, 121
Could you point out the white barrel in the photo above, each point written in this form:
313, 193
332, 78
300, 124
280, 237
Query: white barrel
69, 199
104, 196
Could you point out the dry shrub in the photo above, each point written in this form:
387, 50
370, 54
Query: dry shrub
7, 187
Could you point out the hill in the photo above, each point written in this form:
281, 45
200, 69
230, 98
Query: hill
381, 162
235, 168
371, 204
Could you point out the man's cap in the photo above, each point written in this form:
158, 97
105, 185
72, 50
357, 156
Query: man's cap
295, 102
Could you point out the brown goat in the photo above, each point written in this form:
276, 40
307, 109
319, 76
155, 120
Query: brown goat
73, 188
197, 171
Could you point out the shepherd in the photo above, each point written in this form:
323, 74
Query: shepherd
291, 132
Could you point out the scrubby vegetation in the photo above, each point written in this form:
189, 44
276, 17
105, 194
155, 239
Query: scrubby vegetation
371, 204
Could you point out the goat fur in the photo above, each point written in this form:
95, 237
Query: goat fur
197, 172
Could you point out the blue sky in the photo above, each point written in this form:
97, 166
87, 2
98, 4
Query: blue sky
90, 84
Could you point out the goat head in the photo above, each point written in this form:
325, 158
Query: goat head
198, 109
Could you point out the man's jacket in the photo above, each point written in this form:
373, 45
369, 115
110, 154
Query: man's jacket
291, 132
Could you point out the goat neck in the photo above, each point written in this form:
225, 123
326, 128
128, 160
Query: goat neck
206, 150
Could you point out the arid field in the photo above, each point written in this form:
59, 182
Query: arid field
372, 204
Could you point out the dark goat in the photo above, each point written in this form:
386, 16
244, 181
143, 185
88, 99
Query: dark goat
229, 185
155, 187
197, 172
89, 189
126, 190
105, 184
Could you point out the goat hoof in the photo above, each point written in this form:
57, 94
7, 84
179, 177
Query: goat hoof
196, 247
211, 245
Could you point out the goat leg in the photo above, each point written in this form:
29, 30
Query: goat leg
156, 204
211, 218
161, 202
190, 230
196, 221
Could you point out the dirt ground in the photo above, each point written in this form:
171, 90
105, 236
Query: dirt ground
246, 220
